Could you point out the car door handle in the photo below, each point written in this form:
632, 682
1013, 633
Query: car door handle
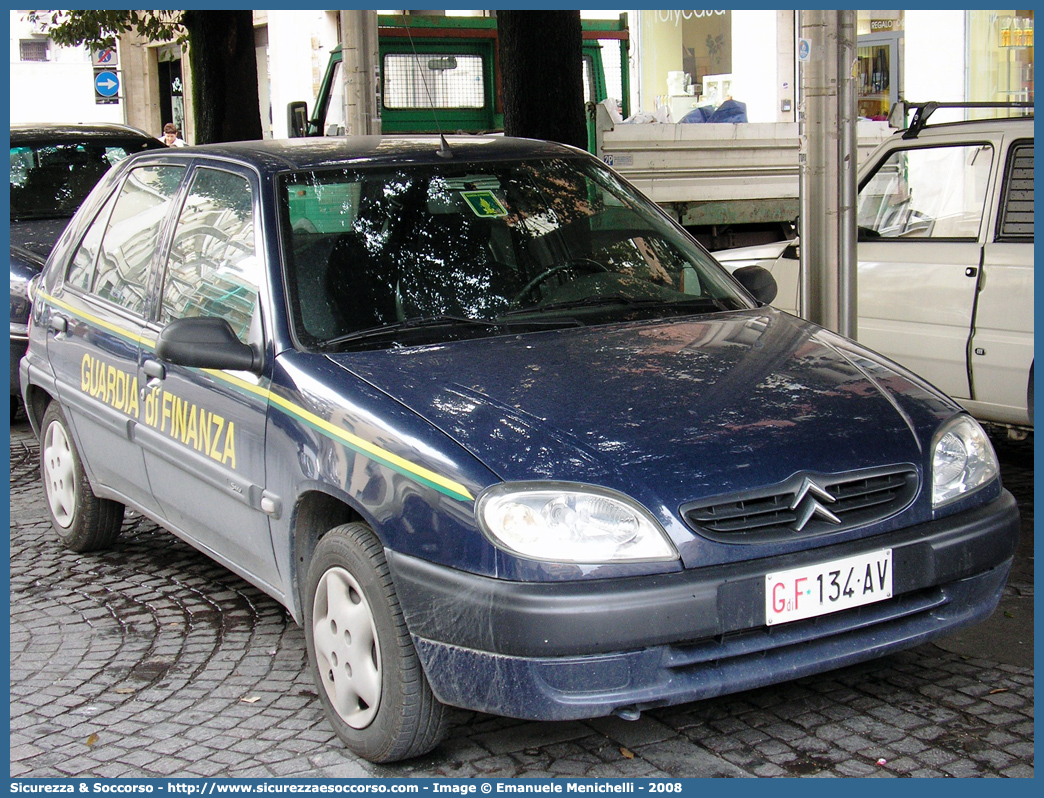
58, 323
971, 271
154, 370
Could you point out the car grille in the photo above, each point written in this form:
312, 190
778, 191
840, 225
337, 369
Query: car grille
805, 505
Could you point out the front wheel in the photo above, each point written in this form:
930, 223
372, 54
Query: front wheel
366, 670
82, 520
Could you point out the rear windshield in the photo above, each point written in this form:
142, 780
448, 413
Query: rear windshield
49, 180
427, 253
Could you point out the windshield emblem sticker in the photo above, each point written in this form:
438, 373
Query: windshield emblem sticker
484, 204
808, 501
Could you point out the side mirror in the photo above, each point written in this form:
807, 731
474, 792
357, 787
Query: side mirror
205, 343
758, 281
897, 116
297, 119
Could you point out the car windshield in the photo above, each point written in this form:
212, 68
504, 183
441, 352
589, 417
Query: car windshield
428, 253
49, 180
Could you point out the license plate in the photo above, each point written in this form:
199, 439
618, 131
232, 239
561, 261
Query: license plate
828, 587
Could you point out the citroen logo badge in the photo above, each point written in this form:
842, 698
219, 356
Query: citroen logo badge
809, 500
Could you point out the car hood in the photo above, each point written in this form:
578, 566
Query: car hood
667, 412
37, 235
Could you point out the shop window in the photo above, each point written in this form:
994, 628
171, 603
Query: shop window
1000, 60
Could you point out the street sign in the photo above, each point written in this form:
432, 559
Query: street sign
104, 57
106, 86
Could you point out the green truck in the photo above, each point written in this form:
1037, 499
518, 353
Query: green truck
449, 68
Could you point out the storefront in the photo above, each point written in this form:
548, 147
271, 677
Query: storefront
688, 59
879, 55
1000, 56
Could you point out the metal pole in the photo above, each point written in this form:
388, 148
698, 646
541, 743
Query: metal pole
818, 133
800, 113
359, 63
847, 256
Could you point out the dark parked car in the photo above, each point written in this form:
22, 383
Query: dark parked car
53, 168
496, 431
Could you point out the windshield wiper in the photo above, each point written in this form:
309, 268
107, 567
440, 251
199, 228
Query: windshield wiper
436, 322
420, 322
608, 301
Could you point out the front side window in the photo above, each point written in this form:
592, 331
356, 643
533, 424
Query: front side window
435, 252
213, 268
133, 235
927, 193
335, 124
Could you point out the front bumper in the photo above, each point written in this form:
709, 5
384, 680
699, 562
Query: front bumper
558, 651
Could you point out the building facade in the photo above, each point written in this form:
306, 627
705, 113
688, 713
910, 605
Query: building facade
680, 59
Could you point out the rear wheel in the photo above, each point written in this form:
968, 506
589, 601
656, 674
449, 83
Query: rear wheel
82, 520
367, 672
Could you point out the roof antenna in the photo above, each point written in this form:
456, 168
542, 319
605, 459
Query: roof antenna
444, 150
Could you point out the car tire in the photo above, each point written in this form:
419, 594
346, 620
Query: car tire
362, 658
82, 520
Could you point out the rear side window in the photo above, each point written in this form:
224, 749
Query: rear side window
81, 268
927, 193
133, 234
213, 269
1016, 216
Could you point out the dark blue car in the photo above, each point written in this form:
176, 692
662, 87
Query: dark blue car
496, 431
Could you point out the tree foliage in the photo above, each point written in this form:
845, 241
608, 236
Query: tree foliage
221, 58
100, 28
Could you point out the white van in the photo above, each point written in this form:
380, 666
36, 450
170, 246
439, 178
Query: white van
945, 247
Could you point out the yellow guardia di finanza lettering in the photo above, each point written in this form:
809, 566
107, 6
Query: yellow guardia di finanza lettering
194, 426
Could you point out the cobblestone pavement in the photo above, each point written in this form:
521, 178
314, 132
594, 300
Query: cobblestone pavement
150, 660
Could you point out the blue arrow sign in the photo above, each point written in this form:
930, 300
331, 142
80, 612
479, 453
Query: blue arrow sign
107, 84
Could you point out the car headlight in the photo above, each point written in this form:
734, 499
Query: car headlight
571, 523
963, 460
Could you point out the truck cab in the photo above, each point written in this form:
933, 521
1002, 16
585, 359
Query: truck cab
443, 74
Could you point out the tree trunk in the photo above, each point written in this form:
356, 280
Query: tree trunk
224, 75
542, 75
